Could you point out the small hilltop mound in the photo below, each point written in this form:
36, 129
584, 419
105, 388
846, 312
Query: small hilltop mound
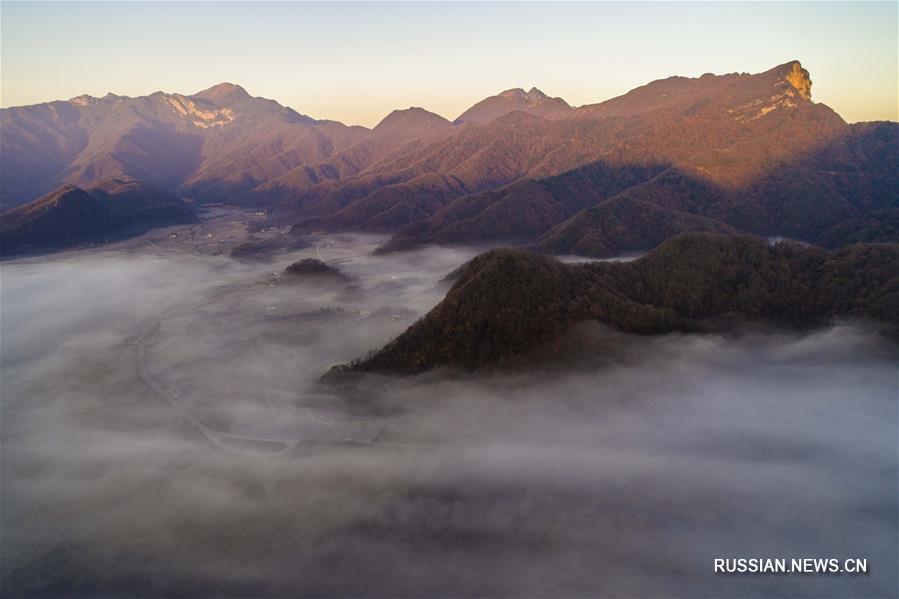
310, 267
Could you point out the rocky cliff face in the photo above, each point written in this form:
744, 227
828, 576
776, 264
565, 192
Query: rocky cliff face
799, 79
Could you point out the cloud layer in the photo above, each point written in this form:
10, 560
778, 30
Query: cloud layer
625, 479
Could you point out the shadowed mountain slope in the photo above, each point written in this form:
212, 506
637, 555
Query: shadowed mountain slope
71, 216
877, 226
620, 225
522, 210
804, 197
507, 303
472, 159
728, 130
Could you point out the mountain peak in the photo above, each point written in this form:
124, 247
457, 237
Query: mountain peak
515, 92
533, 101
793, 73
223, 92
412, 121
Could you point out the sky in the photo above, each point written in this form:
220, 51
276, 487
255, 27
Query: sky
355, 62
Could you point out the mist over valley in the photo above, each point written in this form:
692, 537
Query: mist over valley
623, 478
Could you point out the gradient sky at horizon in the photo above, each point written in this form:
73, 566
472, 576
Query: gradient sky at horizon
355, 62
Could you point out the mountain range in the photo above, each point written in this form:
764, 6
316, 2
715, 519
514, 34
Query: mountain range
721, 153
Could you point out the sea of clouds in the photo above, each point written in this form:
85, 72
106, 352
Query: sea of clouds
217, 465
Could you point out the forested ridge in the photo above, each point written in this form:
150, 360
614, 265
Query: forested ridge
71, 216
508, 302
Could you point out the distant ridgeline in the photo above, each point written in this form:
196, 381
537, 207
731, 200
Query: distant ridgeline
507, 303
71, 216
718, 153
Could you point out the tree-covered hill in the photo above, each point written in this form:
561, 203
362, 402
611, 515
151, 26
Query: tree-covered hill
506, 302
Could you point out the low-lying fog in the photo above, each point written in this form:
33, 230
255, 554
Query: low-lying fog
153, 409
